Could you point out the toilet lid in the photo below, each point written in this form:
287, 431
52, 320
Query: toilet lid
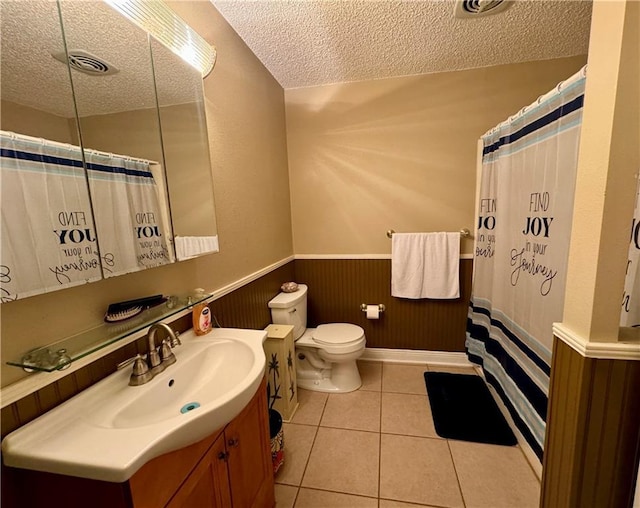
337, 333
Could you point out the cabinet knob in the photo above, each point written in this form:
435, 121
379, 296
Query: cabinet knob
233, 442
223, 456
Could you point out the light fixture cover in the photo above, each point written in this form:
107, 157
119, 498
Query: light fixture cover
156, 18
86, 62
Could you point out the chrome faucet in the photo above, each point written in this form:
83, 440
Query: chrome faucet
157, 358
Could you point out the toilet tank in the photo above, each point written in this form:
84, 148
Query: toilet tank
291, 309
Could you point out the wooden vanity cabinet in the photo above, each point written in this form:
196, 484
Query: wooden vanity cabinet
229, 469
207, 486
250, 474
236, 470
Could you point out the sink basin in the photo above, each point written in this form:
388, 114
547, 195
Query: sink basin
207, 373
111, 429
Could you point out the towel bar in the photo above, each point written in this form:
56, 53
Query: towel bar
464, 233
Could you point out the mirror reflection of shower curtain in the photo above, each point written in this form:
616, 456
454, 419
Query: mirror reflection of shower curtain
525, 210
630, 315
128, 215
47, 235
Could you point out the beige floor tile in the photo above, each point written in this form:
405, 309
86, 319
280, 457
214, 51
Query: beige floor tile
298, 440
494, 476
453, 369
385, 503
403, 378
408, 415
344, 461
285, 496
418, 470
371, 374
356, 410
311, 407
309, 498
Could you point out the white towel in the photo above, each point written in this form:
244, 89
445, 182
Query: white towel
425, 265
191, 246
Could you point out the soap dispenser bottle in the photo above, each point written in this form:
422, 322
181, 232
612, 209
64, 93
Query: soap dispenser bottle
202, 323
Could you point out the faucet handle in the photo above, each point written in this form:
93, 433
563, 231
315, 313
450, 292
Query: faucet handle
140, 367
128, 361
166, 355
175, 340
140, 374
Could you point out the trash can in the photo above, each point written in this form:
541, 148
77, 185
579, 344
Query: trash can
277, 439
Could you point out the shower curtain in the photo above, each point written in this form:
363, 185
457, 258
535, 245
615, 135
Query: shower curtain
48, 236
128, 214
525, 210
630, 315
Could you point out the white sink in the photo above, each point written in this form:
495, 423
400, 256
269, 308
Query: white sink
111, 429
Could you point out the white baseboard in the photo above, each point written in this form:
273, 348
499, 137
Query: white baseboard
357, 256
416, 356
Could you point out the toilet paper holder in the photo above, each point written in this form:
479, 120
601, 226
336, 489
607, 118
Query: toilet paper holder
363, 307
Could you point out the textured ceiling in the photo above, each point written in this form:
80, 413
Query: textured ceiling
32, 77
315, 42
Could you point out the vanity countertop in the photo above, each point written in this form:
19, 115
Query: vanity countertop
111, 429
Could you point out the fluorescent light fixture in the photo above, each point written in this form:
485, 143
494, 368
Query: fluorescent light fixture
156, 18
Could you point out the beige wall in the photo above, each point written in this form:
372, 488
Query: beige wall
33, 122
191, 188
608, 162
137, 133
398, 153
245, 115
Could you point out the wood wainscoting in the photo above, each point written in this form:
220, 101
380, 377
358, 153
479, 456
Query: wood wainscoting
593, 431
337, 288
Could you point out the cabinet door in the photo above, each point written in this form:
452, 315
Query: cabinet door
250, 469
208, 484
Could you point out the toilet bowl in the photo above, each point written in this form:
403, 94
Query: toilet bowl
330, 365
325, 356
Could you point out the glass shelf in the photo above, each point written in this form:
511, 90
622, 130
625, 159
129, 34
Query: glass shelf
60, 355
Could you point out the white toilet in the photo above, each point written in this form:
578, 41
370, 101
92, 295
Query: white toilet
325, 356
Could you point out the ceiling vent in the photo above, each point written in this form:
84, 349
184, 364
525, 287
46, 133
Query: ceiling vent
85, 62
478, 8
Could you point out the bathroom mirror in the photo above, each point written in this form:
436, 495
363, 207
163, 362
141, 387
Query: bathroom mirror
186, 147
48, 236
115, 96
116, 114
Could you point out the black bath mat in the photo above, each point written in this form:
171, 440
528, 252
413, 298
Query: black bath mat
464, 409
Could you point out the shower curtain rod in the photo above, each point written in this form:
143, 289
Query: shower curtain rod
58, 144
563, 85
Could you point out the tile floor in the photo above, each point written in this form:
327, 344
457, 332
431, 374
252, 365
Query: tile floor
377, 448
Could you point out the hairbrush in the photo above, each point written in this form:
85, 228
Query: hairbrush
124, 310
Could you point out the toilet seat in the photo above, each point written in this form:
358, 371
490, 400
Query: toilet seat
346, 338
335, 334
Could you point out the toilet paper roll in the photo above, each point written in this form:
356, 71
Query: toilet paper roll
373, 312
